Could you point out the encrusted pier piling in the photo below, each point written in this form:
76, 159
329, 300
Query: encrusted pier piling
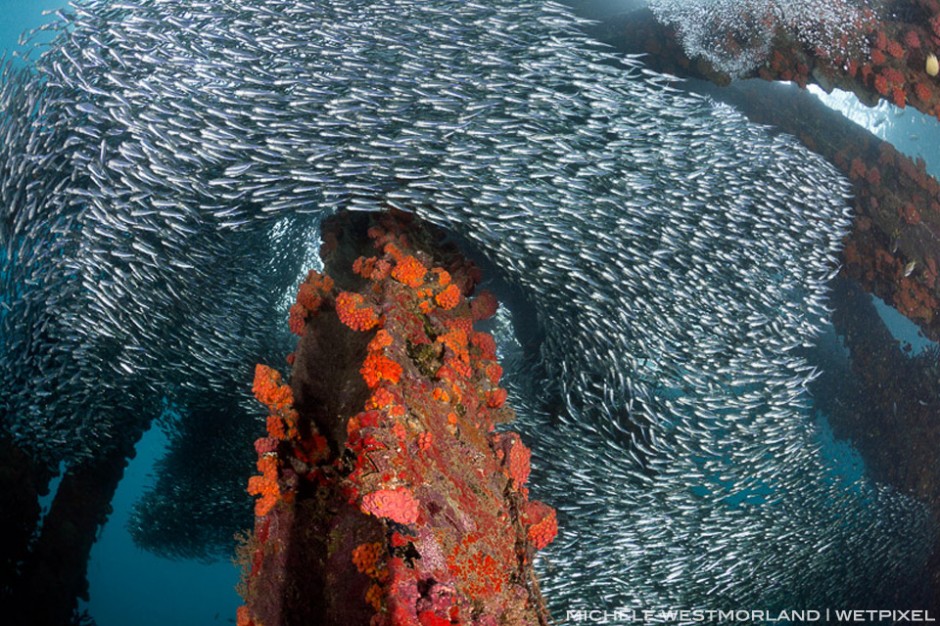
386, 495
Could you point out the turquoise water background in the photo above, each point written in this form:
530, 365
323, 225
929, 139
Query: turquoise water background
17, 16
129, 586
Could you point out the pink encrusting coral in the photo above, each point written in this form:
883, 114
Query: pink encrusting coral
398, 505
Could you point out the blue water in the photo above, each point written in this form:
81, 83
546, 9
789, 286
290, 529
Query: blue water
902, 329
843, 461
128, 585
20, 16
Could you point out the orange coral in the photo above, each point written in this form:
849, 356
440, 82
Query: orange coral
382, 269
243, 617
398, 505
493, 372
542, 522
923, 92
881, 84
895, 49
440, 395
268, 389
456, 340
857, 169
267, 465
364, 266
354, 312
392, 250
485, 343
443, 276
459, 322
276, 427
377, 368
898, 97
449, 298
297, 319
496, 398
381, 341
375, 595
321, 282
380, 399
366, 557
894, 77
881, 39
308, 297
265, 485
410, 271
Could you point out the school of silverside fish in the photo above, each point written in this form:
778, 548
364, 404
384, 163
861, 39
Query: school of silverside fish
164, 166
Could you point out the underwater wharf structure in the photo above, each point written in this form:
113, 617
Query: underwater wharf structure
893, 250
386, 496
385, 493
